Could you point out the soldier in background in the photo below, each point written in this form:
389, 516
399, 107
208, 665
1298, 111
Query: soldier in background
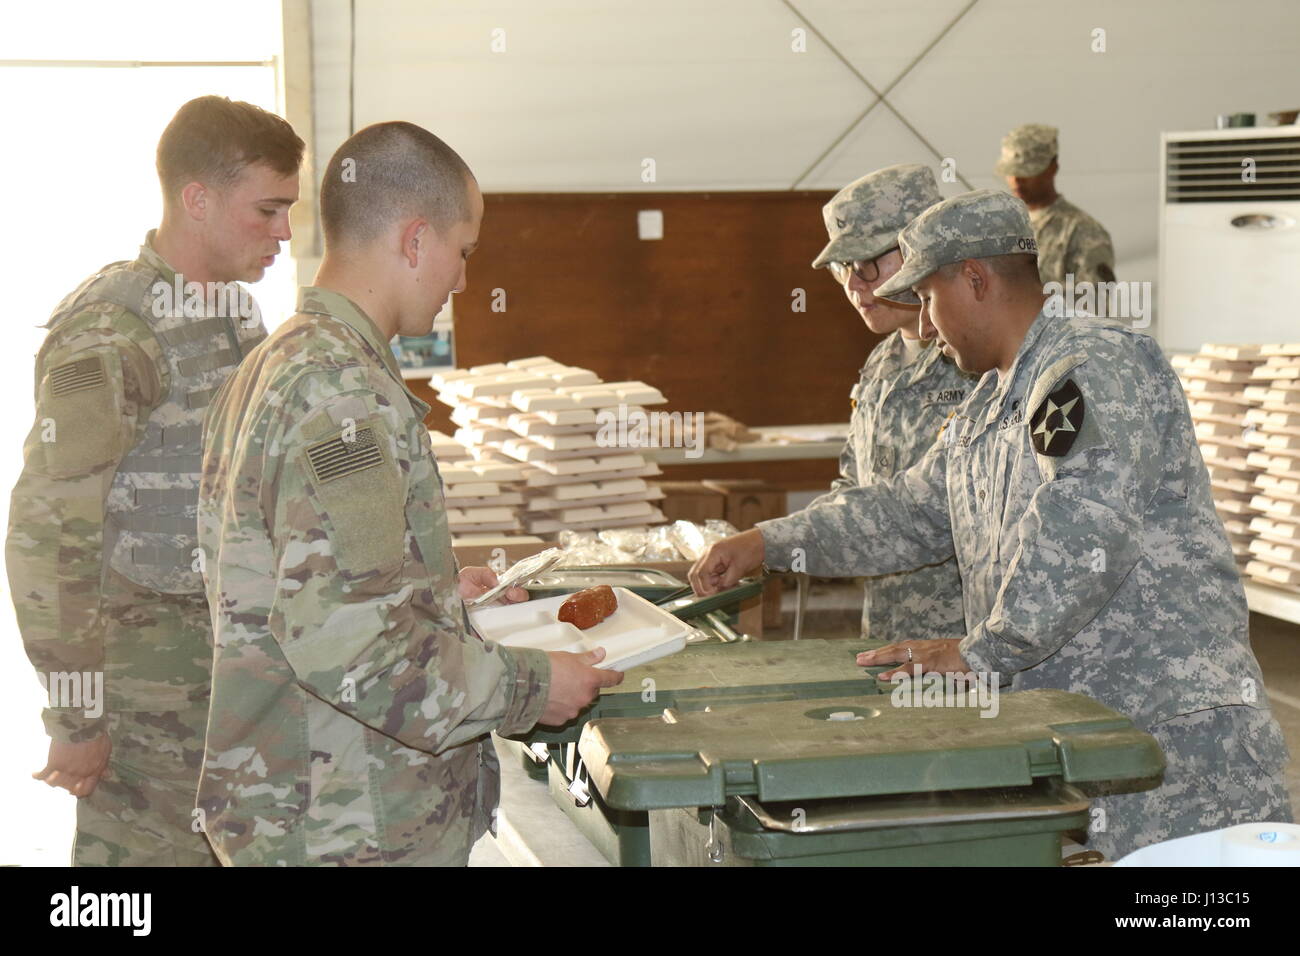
904, 396
1071, 489
1070, 242
351, 701
101, 548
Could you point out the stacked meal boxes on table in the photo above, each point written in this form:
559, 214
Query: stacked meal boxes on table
1273, 434
482, 496
447, 449
1215, 380
543, 421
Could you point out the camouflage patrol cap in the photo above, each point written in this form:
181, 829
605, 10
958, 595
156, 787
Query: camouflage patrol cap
865, 216
1027, 150
974, 225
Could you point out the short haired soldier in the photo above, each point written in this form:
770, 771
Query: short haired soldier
1070, 242
906, 391
1071, 490
101, 548
351, 701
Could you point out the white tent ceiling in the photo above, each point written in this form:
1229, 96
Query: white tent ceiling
716, 94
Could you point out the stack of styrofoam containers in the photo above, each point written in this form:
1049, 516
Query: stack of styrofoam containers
1274, 436
541, 417
483, 493
446, 449
1215, 380
481, 496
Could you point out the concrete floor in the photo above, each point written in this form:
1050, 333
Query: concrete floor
835, 611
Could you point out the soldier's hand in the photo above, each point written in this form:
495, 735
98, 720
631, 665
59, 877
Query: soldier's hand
726, 562
76, 767
475, 581
575, 684
932, 657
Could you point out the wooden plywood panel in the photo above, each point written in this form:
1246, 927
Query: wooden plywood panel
703, 314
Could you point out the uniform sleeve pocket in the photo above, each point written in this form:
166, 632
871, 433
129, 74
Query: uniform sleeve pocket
883, 461
360, 494
79, 414
1261, 737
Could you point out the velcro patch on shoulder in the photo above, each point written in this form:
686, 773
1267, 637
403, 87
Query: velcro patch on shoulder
77, 376
1056, 423
345, 455
1052, 376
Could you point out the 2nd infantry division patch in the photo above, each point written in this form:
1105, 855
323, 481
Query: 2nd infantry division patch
77, 376
339, 457
1056, 422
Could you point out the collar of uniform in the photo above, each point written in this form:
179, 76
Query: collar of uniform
890, 346
930, 353
1038, 215
1006, 383
315, 300
883, 357
893, 349
907, 375
913, 349
150, 257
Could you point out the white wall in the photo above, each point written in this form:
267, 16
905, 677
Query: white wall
712, 90
81, 191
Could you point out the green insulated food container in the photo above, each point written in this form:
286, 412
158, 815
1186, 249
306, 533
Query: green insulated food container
866, 781
702, 676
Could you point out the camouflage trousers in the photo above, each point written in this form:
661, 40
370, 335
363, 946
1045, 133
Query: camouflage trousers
157, 648
142, 812
1224, 766
158, 666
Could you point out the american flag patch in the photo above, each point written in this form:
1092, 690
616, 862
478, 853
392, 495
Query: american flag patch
77, 376
337, 457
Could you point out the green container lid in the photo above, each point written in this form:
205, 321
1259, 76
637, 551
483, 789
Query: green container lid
856, 746
705, 675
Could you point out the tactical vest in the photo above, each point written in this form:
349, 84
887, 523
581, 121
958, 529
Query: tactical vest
151, 512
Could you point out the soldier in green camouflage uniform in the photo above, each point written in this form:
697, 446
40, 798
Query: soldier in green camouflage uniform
101, 550
903, 397
1070, 488
1070, 242
351, 701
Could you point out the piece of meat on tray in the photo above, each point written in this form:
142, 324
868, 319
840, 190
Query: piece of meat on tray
588, 608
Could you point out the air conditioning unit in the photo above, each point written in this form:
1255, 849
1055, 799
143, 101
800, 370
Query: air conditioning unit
1229, 237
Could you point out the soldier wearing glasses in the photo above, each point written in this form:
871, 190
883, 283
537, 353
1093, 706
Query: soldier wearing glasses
905, 394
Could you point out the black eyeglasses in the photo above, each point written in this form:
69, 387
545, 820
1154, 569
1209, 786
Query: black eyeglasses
867, 270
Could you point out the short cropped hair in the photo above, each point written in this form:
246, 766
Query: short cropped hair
212, 139
388, 172
1014, 267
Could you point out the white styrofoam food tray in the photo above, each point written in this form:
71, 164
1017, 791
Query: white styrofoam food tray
635, 634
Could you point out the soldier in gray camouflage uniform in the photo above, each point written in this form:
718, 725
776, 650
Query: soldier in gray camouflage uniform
1070, 242
101, 549
351, 701
1072, 492
906, 392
